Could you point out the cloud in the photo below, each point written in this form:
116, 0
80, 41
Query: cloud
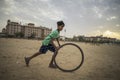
117, 25
45, 0
53, 14
95, 33
100, 15
112, 34
80, 17
111, 18
36, 11
101, 27
98, 12
106, 33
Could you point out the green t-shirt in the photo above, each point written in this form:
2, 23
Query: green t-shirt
53, 35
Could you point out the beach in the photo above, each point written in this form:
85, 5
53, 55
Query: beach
101, 62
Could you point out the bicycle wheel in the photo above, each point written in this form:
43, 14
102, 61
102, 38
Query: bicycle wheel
69, 57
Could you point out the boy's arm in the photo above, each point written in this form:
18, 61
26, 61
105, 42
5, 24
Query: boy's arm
58, 41
52, 42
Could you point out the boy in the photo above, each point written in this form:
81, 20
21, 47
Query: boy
48, 44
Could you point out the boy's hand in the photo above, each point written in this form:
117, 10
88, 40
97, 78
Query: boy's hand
56, 47
58, 41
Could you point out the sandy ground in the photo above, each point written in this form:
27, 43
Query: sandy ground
102, 62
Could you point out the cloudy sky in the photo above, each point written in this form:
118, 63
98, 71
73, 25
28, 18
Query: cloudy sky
82, 17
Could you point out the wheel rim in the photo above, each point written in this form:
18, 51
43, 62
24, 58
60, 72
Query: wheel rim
77, 67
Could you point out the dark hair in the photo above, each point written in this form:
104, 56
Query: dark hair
59, 23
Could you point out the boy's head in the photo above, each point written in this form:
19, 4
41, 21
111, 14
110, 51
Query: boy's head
60, 25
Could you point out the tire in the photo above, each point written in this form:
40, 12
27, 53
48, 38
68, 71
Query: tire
77, 67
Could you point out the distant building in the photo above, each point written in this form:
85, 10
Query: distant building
12, 28
28, 30
95, 39
3, 30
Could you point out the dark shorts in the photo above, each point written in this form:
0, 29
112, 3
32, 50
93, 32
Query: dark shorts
43, 49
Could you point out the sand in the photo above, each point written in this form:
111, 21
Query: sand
102, 62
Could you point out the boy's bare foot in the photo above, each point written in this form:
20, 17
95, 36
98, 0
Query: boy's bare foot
27, 61
52, 66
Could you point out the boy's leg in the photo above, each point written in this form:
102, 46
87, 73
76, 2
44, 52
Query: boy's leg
34, 55
43, 49
27, 59
52, 48
52, 65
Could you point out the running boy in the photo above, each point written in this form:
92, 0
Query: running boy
48, 44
